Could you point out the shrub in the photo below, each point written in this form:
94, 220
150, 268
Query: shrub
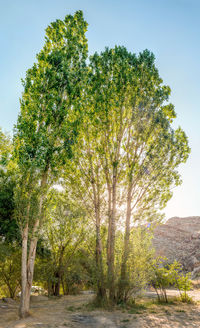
164, 276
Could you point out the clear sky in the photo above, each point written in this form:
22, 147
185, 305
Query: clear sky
169, 28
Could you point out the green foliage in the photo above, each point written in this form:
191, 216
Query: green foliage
9, 270
9, 230
5, 149
52, 87
184, 284
50, 112
129, 125
64, 232
165, 276
141, 255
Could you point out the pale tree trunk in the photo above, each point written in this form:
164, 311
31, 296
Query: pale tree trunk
111, 241
109, 222
27, 270
123, 283
112, 198
22, 311
30, 266
101, 291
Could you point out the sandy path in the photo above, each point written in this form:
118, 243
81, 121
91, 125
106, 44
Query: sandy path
69, 311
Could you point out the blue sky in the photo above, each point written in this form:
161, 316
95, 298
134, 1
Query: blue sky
169, 28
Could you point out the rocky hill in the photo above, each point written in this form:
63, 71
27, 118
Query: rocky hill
179, 238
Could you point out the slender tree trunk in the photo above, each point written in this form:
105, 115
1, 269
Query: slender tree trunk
59, 272
124, 279
28, 266
57, 284
50, 288
111, 242
109, 222
101, 291
63, 285
22, 308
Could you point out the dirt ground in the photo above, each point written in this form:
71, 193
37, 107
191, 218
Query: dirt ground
72, 312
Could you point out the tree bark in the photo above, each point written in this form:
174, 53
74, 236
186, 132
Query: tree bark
101, 291
109, 222
28, 266
124, 279
57, 284
22, 308
111, 240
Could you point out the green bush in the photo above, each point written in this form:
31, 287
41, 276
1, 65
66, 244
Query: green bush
9, 270
166, 275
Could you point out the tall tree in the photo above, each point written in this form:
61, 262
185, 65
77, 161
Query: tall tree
85, 182
138, 150
153, 151
46, 129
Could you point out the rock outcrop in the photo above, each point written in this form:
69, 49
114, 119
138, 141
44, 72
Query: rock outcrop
179, 238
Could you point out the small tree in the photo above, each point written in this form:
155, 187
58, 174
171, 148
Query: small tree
181, 281
63, 231
164, 276
139, 262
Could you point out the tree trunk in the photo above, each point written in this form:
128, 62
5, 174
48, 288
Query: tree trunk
109, 223
101, 291
59, 272
50, 288
111, 241
124, 279
22, 308
28, 267
63, 285
57, 284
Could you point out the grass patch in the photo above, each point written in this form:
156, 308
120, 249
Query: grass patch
186, 300
134, 311
71, 308
93, 305
136, 308
125, 320
139, 307
152, 311
171, 301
